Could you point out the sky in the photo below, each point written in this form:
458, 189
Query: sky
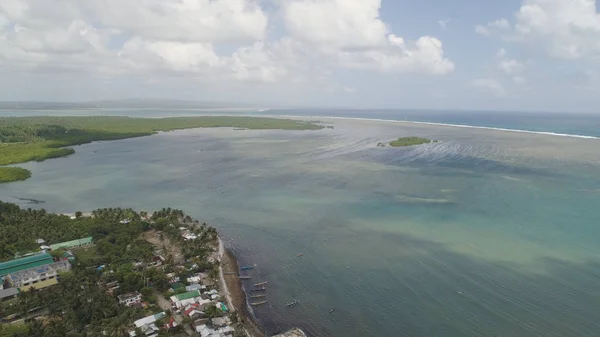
538, 55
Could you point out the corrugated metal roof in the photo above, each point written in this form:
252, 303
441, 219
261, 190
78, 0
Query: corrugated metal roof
25, 263
72, 243
8, 292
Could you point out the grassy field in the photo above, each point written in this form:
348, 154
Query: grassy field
409, 141
9, 329
24, 139
86, 255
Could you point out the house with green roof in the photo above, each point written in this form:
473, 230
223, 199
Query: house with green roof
187, 295
24, 263
84, 242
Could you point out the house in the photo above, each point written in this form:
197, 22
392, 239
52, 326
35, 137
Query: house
193, 287
38, 277
222, 306
1, 282
40, 241
192, 311
220, 321
24, 263
226, 331
170, 324
111, 287
8, 293
149, 319
157, 260
194, 279
199, 322
183, 299
187, 235
79, 243
206, 331
130, 298
147, 325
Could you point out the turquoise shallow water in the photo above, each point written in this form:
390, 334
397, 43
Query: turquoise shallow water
483, 234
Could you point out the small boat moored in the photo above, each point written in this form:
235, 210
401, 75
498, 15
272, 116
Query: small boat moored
247, 267
293, 303
260, 284
259, 289
245, 277
258, 303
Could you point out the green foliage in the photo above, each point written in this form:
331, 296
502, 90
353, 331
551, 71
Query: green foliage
211, 311
77, 306
10, 330
24, 139
409, 141
9, 174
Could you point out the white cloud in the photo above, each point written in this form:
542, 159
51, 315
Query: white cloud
491, 85
209, 40
519, 79
491, 27
482, 30
350, 34
337, 23
501, 53
185, 20
511, 67
444, 23
563, 29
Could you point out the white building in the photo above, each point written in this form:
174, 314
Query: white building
32, 276
130, 298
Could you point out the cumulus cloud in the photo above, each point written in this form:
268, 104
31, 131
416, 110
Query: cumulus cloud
224, 40
185, 20
490, 85
491, 27
351, 34
511, 67
563, 29
444, 23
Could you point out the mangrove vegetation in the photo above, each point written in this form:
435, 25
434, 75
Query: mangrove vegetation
24, 139
409, 141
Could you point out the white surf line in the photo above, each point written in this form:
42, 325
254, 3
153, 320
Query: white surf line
444, 124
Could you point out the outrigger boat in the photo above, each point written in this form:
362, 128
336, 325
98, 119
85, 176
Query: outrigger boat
258, 303
260, 284
294, 302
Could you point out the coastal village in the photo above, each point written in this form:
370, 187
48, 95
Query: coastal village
196, 301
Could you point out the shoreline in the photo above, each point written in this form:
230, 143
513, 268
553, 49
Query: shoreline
234, 292
491, 128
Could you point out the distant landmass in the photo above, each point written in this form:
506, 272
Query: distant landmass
121, 103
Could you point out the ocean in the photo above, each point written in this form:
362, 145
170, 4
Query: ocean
485, 233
